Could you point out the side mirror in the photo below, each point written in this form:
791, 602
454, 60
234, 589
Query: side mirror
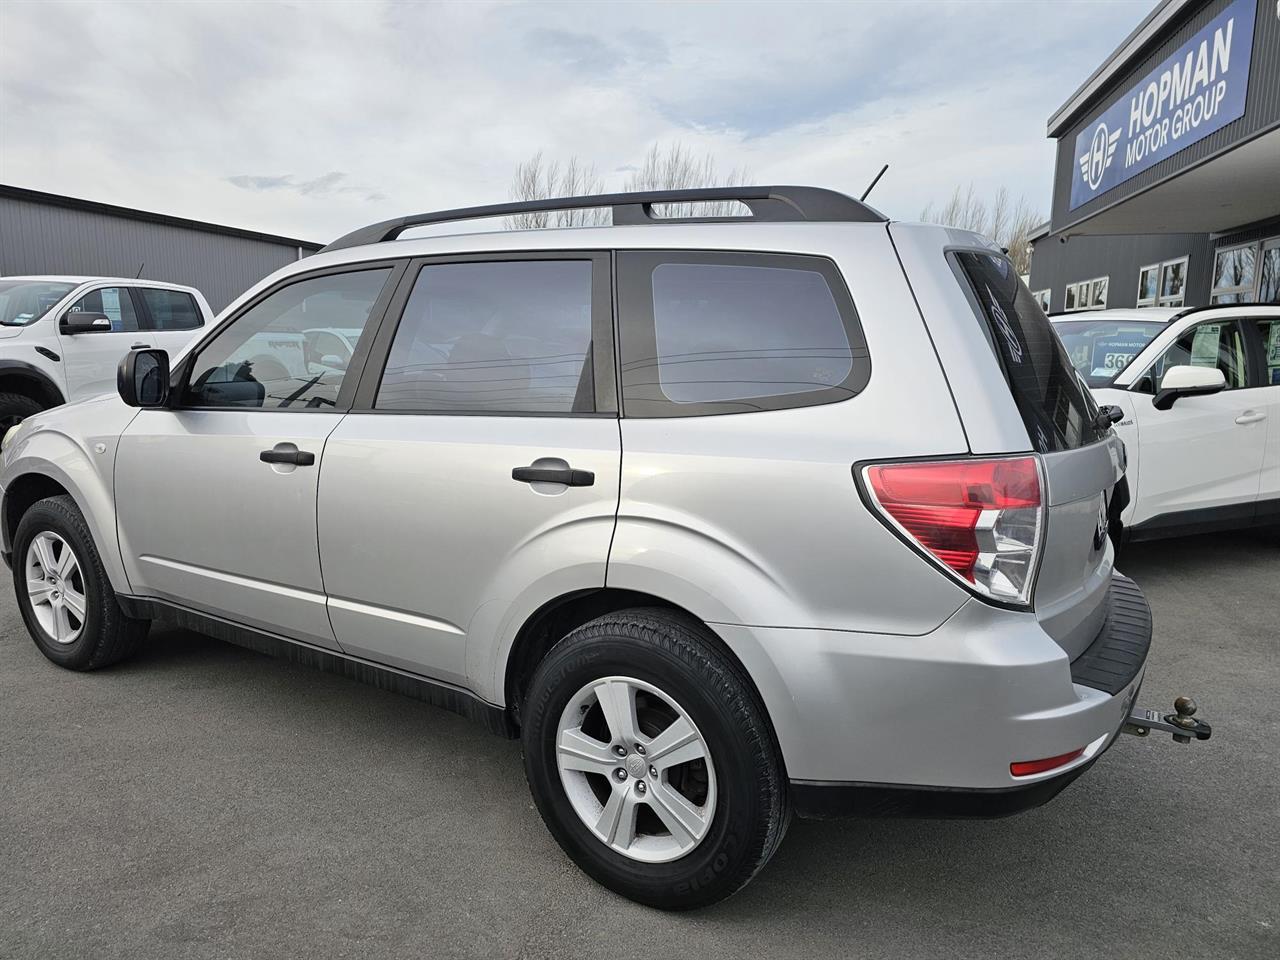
82, 321
1183, 381
334, 361
143, 378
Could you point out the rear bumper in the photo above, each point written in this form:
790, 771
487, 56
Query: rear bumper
817, 800
929, 725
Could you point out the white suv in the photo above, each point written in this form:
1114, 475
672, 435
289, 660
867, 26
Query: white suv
797, 512
1199, 395
61, 338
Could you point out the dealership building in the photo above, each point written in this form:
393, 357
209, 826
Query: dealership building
44, 233
1166, 186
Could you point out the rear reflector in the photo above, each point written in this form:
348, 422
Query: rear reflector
1024, 768
980, 519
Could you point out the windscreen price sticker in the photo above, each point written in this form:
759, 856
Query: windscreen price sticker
1113, 354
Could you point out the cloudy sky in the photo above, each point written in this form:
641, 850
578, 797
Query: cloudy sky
309, 118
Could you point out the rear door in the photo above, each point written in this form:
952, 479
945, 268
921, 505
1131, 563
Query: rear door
171, 317
478, 472
1082, 463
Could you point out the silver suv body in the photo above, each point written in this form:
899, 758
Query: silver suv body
806, 511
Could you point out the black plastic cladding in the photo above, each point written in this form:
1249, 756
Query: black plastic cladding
773, 204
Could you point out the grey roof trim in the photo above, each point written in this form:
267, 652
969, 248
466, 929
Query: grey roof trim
93, 206
1120, 58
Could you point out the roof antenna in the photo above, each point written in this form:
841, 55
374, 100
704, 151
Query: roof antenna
873, 183
138, 275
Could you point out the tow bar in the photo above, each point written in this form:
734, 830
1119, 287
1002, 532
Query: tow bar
1181, 723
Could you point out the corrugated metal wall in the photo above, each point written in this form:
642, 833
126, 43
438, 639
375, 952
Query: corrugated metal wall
1262, 111
41, 238
1055, 264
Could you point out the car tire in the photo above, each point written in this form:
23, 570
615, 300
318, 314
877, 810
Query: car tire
55, 560
676, 672
16, 407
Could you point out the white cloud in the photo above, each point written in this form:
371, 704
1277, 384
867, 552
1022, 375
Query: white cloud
310, 119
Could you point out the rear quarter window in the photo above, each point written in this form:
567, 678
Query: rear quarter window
712, 333
1054, 403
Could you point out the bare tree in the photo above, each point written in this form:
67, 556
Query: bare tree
1007, 222
677, 168
671, 168
536, 179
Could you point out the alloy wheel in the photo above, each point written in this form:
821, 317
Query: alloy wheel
636, 769
55, 587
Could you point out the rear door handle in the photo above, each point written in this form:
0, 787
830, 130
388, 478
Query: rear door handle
565, 475
1250, 416
287, 453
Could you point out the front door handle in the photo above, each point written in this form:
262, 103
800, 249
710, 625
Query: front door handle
287, 453
141, 346
565, 475
1250, 416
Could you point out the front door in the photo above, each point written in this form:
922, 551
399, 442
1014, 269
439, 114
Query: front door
217, 496
479, 473
90, 359
1203, 453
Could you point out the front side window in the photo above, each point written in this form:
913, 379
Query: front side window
262, 358
1215, 344
1100, 349
1269, 335
115, 302
1042, 298
707, 333
496, 337
171, 309
1054, 404
23, 302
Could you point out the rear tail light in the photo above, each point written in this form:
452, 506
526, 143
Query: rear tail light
980, 520
1025, 768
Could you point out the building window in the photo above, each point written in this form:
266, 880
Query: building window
1163, 284
1249, 273
1087, 294
1042, 298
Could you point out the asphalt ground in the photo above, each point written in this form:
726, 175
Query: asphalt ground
205, 801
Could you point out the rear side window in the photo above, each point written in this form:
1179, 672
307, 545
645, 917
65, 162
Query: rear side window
494, 337
712, 333
171, 309
1055, 405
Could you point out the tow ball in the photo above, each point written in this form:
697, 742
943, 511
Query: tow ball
1181, 723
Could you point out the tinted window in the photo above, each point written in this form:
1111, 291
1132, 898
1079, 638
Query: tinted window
262, 359
1218, 345
171, 309
503, 337
115, 302
1053, 401
1100, 349
732, 333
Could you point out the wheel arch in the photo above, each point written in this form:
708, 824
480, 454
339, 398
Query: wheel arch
560, 616
18, 376
27, 483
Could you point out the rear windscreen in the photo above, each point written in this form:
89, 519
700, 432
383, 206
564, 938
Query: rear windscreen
1054, 404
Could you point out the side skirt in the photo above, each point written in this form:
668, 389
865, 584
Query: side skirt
1184, 523
493, 718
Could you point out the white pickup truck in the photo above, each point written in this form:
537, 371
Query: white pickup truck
61, 338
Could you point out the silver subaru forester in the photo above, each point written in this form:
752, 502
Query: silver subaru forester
797, 510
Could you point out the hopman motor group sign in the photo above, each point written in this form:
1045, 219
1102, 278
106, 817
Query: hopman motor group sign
1199, 89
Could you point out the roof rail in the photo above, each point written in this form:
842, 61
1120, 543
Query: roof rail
776, 204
